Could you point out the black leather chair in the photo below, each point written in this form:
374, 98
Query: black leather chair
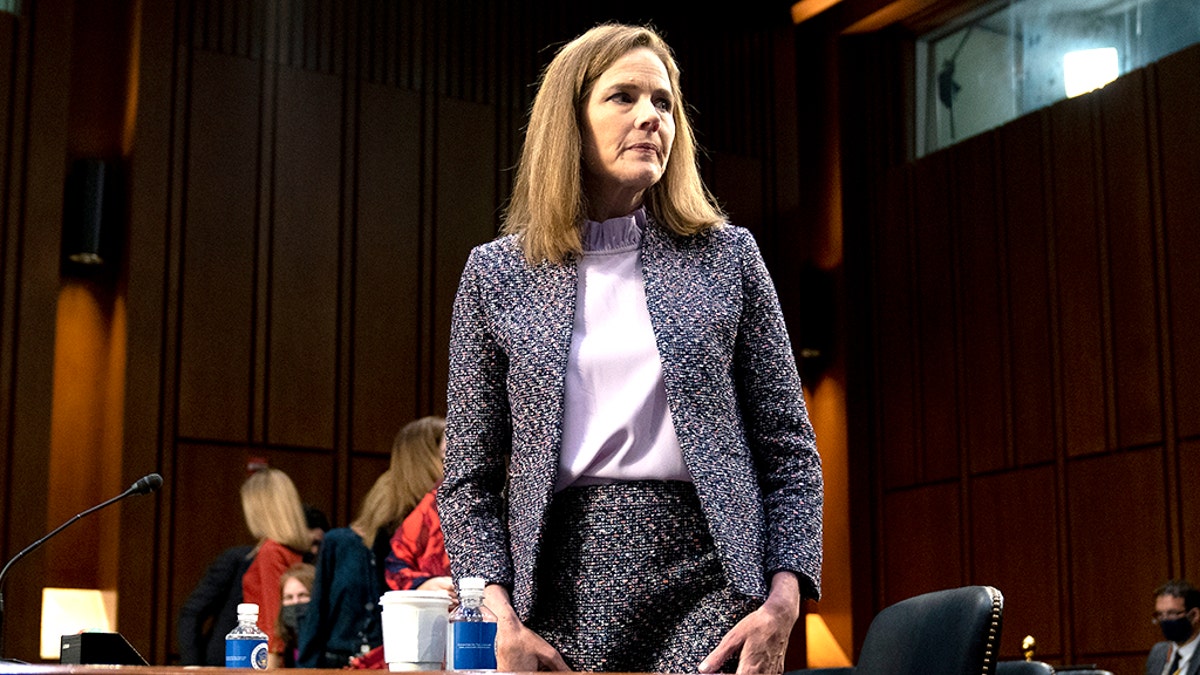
950, 632
1024, 668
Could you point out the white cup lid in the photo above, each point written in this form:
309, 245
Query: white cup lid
405, 597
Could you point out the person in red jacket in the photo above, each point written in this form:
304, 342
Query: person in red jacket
275, 517
418, 560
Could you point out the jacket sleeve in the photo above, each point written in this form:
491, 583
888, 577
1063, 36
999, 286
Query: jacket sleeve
778, 431
418, 552
470, 500
204, 602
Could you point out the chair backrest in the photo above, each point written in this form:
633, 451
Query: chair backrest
1024, 668
950, 632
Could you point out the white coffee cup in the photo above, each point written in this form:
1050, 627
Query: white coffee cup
414, 629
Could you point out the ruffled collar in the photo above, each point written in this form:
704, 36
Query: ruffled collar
615, 234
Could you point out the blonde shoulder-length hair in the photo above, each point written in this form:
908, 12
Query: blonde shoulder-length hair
273, 510
548, 200
416, 467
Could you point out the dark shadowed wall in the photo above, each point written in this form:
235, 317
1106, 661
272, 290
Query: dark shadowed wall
1026, 406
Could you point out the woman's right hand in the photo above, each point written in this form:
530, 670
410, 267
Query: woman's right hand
518, 649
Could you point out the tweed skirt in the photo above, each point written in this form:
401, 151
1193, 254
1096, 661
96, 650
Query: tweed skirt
629, 580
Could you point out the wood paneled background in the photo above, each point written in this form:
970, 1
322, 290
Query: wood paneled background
34, 86
1028, 392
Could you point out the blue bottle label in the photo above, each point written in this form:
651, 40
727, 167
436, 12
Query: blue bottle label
474, 645
246, 654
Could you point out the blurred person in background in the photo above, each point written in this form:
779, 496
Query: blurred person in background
1177, 614
295, 591
275, 517
210, 611
344, 618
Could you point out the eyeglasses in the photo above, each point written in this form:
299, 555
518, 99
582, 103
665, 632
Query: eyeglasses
1159, 617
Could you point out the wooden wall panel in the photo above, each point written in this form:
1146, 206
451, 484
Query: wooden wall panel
1131, 663
1014, 547
1131, 254
935, 307
9, 55
364, 471
737, 185
1178, 100
467, 213
153, 300
390, 40
36, 54
1116, 510
1189, 509
979, 293
221, 216
1028, 308
1080, 263
231, 27
922, 527
387, 261
895, 345
1081, 502
305, 254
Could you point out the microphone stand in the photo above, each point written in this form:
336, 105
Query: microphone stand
144, 485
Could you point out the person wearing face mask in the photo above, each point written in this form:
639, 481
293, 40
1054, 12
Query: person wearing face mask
295, 590
629, 460
1177, 614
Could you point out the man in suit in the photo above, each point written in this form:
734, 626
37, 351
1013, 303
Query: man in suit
1177, 613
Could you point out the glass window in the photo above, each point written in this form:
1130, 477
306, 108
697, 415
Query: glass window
1016, 56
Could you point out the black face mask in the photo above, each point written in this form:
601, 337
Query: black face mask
1176, 630
293, 615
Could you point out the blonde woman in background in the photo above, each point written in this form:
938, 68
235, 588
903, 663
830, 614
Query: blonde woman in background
344, 618
275, 517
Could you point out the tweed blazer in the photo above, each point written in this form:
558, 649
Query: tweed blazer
732, 389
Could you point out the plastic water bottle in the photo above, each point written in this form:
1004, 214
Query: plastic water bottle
471, 640
246, 644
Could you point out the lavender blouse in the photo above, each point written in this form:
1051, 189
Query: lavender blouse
616, 425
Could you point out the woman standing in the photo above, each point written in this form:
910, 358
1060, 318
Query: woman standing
629, 459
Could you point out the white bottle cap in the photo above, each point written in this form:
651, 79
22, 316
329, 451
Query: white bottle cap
468, 584
247, 608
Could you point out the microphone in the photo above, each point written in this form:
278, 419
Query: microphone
144, 485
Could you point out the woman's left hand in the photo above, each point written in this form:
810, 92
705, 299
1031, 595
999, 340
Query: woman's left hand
760, 640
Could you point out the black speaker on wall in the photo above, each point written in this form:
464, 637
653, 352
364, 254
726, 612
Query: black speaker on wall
92, 216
